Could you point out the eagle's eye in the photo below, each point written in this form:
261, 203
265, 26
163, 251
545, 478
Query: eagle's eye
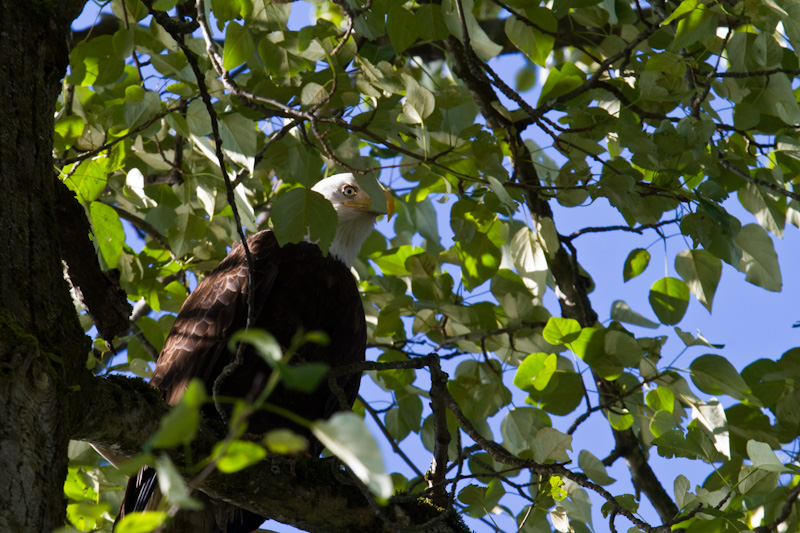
349, 191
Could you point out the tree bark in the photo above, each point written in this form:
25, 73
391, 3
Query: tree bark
37, 318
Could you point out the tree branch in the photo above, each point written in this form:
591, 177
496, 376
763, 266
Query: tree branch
120, 414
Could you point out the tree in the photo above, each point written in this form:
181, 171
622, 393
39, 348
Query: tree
191, 122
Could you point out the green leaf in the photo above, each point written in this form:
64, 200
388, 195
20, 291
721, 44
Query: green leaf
757, 482
714, 374
141, 522
692, 446
697, 23
560, 81
551, 445
79, 485
180, 425
262, 340
302, 212
348, 438
535, 371
690, 340
479, 257
419, 102
305, 377
481, 500
478, 389
140, 106
173, 486
285, 442
661, 399
393, 262
763, 457
401, 27
164, 5
89, 179
108, 232
313, 93
620, 419
86, 516
561, 330
685, 7
237, 455
239, 46
481, 44
520, 426
701, 272
134, 10
766, 205
238, 139
759, 261
225, 10
669, 298
95, 62
529, 40
67, 130
564, 392
594, 468
635, 263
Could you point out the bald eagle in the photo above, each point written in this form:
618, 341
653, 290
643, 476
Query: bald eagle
297, 288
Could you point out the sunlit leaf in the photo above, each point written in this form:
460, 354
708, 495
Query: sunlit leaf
237, 455
635, 263
141, 522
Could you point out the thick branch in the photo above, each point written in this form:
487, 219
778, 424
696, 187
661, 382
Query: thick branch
103, 298
121, 413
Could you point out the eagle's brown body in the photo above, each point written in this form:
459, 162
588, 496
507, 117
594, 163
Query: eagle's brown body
296, 289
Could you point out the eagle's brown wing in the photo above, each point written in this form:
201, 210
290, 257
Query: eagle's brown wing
197, 345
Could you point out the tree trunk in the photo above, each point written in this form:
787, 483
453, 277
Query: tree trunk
37, 318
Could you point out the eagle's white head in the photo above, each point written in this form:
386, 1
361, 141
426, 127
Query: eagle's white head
358, 201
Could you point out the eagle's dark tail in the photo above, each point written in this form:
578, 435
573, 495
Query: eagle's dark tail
144, 486
137, 493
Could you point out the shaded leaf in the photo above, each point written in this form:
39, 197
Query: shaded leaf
301, 213
701, 271
759, 261
346, 436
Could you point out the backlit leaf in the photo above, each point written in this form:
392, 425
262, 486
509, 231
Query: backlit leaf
239, 46
635, 263
108, 231
669, 298
237, 455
